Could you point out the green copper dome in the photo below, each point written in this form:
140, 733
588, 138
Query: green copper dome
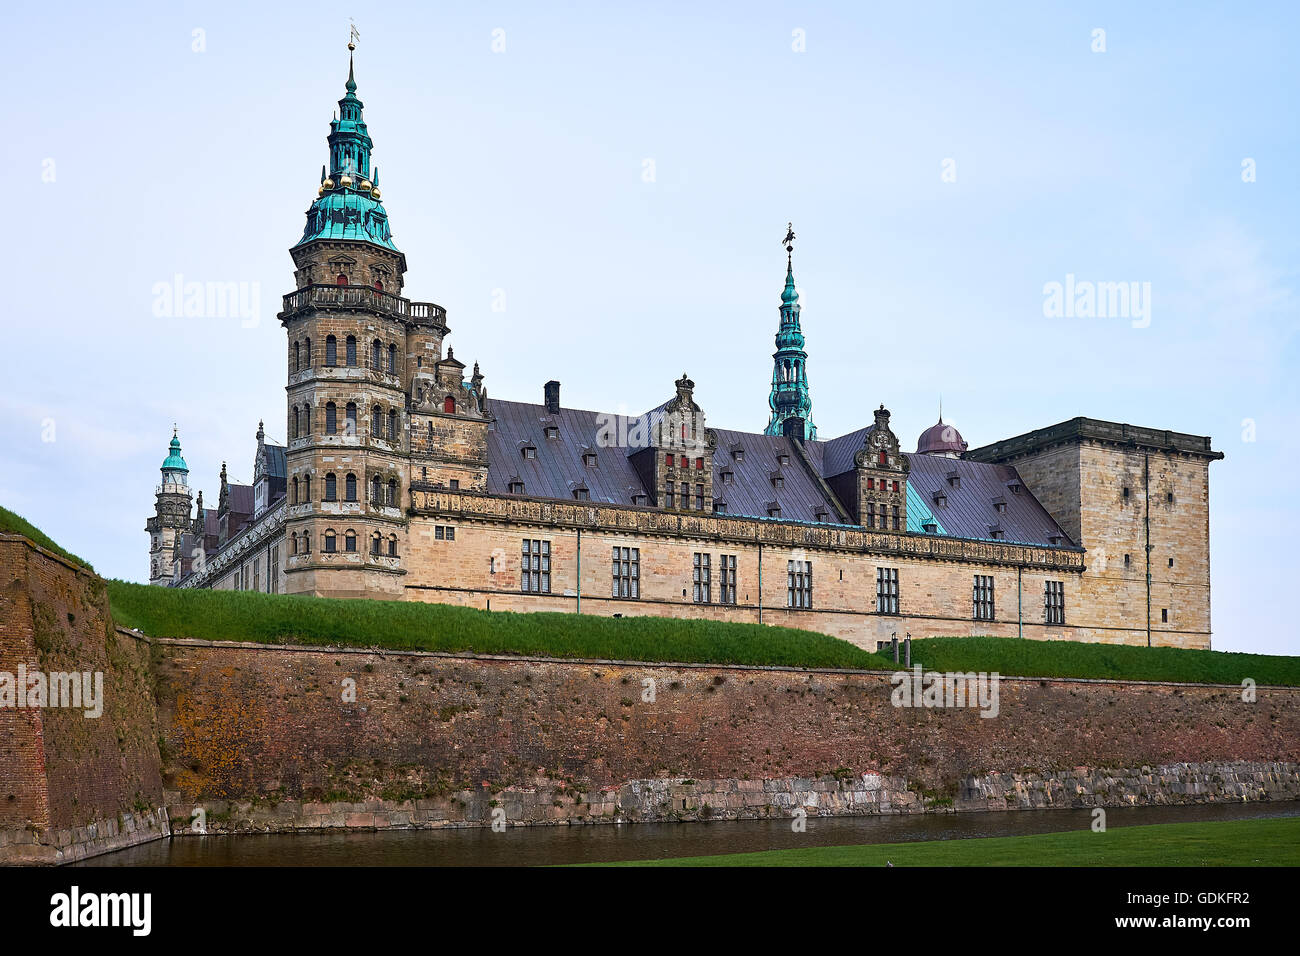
349, 206
174, 461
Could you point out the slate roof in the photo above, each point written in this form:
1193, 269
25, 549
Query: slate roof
751, 489
275, 464
240, 498
970, 512
558, 469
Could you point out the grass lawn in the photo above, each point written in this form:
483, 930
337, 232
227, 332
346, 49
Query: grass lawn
1272, 842
272, 618
11, 523
1024, 658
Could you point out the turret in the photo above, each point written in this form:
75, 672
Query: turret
171, 517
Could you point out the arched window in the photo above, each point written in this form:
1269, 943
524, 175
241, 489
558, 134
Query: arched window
392, 359
293, 542
449, 405
392, 424
352, 351
331, 487
375, 540
377, 355
350, 487
297, 353
294, 499
293, 422
329, 541
306, 487
331, 418
306, 352
430, 433
350, 541
392, 545
351, 427
341, 280
392, 492
379, 285
376, 490
377, 422
331, 350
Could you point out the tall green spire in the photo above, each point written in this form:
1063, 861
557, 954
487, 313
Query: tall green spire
348, 206
789, 398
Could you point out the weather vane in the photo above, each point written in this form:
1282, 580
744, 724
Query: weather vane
788, 241
353, 35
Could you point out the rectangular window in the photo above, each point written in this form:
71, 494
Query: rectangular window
535, 576
701, 579
1054, 602
895, 516
451, 534
871, 516
886, 590
798, 584
627, 573
699, 497
982, 597
668, 494
257, 572
727, 582
438, 532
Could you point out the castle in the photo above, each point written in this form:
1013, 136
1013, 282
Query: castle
402, 480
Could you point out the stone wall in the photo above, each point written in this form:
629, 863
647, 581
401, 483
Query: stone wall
72, 785
262, 738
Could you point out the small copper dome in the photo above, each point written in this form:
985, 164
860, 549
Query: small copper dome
941, 439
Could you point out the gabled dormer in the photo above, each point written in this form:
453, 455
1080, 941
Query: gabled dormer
676, 465
881, 470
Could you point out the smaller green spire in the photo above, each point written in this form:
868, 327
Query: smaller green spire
351, 85
174, 461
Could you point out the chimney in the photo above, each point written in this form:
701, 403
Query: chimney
551, 391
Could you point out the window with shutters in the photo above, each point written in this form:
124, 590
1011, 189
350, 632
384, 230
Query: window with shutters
1054, 602
798, 584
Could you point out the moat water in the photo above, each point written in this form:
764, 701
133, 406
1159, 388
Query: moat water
537, 846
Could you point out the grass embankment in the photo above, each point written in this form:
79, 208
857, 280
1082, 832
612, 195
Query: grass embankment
1025, 658
1273, 842
271, 618
11, 523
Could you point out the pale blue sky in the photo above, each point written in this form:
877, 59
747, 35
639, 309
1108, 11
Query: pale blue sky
521, 171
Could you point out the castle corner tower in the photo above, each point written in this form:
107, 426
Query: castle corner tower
171, 517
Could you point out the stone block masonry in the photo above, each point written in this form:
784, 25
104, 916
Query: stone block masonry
72, 786
263, 739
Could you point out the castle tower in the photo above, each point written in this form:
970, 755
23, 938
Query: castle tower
171, 517
789, 399
362, 361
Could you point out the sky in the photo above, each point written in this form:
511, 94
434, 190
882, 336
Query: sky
597, 193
